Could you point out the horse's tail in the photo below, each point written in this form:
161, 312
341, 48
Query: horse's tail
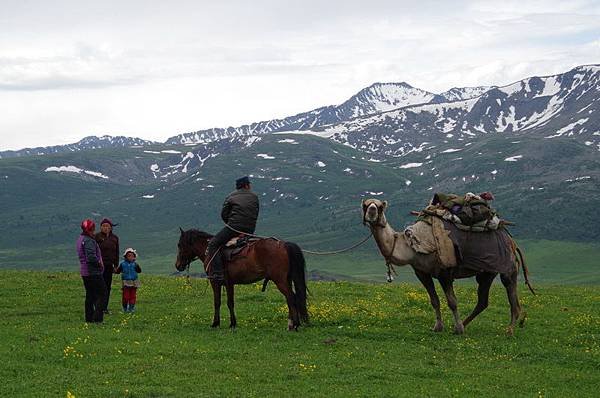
297, 277
525, 270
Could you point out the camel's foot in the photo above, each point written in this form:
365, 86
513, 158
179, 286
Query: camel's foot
510, 330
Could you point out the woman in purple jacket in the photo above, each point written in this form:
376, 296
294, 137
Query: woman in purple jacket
92, 268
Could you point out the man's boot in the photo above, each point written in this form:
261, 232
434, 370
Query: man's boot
215, 271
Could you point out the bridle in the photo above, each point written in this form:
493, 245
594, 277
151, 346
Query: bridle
378, 223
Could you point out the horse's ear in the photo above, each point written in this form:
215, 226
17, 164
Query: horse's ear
385, 204
181, 230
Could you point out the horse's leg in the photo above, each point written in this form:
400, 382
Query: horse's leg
446, 283
427, 281
216, 287
285, 289
484, 281
510, 283
230, 304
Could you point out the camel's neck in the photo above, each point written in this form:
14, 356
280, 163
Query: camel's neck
392, 244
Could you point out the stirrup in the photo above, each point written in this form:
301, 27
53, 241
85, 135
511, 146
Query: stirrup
216, 276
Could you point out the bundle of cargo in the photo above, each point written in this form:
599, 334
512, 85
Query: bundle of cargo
440, 228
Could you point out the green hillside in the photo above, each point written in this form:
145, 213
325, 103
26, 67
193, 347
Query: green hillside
310, 193
364, 340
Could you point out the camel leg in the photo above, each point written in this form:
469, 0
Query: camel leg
452, 303
510, 283
230, 304
285, 289
216, 287
484, 281
427, 281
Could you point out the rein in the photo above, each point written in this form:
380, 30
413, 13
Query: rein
305, 251
388, 258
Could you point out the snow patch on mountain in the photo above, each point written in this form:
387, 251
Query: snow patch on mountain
567, 129
410, 165
74, 169
513, 158
451, 150
288, 141
464, 93
551, 87
578, 178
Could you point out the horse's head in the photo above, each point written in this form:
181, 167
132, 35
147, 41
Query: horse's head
373, 212
192, 245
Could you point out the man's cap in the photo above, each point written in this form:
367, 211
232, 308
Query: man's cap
240, 182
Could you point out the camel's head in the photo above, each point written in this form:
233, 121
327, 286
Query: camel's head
373, 212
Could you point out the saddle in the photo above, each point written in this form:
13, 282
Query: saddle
238, 247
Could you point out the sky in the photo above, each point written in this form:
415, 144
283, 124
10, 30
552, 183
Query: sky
155, 69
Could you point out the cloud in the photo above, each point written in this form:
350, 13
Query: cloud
154, 69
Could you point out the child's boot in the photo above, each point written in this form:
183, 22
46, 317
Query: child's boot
131, 307
125, 307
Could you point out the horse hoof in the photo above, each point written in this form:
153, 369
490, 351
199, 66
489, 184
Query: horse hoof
522, 320
510, 331
215, 325
439, 326
459, 329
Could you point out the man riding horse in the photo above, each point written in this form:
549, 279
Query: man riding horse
239, 213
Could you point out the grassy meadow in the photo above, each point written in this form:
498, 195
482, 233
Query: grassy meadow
364, 340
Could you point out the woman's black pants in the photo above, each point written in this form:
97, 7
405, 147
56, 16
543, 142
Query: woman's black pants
95, 294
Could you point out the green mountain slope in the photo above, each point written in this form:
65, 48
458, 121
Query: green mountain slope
310, 190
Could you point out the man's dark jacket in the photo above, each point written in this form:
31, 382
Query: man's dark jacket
109, 245
240, 210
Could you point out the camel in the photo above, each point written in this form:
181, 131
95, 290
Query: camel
396, 250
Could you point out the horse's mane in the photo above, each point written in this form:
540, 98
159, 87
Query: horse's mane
197, 234
191, 236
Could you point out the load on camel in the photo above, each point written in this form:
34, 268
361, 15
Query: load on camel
453, 238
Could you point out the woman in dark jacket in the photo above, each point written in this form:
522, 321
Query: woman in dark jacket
91, 270
109, 245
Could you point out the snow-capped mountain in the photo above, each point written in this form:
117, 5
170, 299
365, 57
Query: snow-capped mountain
546, 107
463, 93
379, 97
90, 142
396, 119
382, 97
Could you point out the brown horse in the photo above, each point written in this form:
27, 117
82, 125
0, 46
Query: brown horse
395, 248
269, 259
